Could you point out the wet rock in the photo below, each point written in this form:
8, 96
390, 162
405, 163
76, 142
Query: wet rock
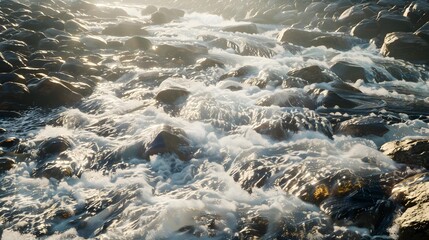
166, 15
366, 29
244, 47
54, 146
414, 223
9, 142
287, 98
149, 10
171, 95
423, 32
389, 22
330, 99
298, 36
14, 45
53, 33
52, 170
51, 92
243, 71
339, 42
362, 126
6, 164
14, 93
186, 53
249, 28
405, 46
48, 44
5, 66
292, 122
125, 29
252, 174
352, 15
312, 74
413, 193
73, 26
204, 63
138, 43
409, 151
29, 37
16, 59
93, 42
349, 72
418, 12
167, 139
294, 82
75, 67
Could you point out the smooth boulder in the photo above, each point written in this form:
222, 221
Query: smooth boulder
407, 46
408, 151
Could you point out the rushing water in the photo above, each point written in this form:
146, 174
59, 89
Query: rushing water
167, 198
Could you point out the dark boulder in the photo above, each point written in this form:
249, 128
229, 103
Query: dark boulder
166, 15
287, 98
168, 139
73, 26
5, 66
307, 38
187, 53
16, 59
14, 45
350, 72
51, 92
12, 77
9, 142
53, 170
418, 12
249, 28
12, 92
125, 29
405, 46
292, 122
298, 36
48, 44
240, 72
366, 29
6, 164
149, 10
93, 42
390, 22
362, 126
171, 95
313, 74
28, 36
75, 67
331, 99
409, 151
423, 32
138, 43
54, 146
352, 15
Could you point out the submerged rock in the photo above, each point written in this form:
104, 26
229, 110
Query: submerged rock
409, 151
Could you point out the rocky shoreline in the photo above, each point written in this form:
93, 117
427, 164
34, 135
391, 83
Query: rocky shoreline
53, 56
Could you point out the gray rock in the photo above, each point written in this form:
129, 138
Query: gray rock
366, 29
139, 43
6, 164
249, 28
409, 151
423, 32
171, 95
93, 42
51, 92
405, 46
350, 72
54, 146
390, 22
313, 74
362, 126
125, 29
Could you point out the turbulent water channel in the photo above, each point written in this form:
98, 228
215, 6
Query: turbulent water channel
216, 141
